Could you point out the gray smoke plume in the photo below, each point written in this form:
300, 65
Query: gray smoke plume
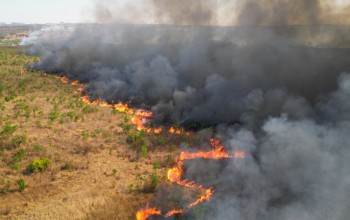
275, 90
222, 12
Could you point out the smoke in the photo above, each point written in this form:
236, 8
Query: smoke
200, 74
221, 12
277, 90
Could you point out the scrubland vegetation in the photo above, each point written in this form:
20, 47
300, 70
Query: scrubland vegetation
63, 159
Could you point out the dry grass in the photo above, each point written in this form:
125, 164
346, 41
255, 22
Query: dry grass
93, 174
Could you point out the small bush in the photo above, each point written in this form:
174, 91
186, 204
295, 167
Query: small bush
8, 129
85, 134
154, 180
135, 139
5, 188
55, 107
150, 186
38, 165
39, 124
67, 166
37, 148
88, 109
109, 138
130, 188
114, 171
15, 166
2, 106
10, 97
18, 156
144, 150
21, 184
53, 115
18, 140
73, 116
126, 127
156, 165
114, 111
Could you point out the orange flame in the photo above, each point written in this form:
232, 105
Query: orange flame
75, 83
175, 212
63, 79
175, 173
139, 119
147, 212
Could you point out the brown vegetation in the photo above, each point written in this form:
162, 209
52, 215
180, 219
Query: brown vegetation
63, 159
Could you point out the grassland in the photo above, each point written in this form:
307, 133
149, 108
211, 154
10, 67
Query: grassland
63, 159
12, 35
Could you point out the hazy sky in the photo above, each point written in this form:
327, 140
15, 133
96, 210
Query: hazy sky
133, 11
45, 11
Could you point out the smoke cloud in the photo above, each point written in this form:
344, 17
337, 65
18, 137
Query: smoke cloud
274, 88
221, 12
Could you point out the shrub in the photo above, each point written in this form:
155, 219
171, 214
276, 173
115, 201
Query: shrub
21, 184
15, 166
18, 140
97, 131
114, 111
5, 188
72, 116
88, 109
85, 134
130, 188
109, 138
38, 165
8, 129
2, 87
114, 171
39, 124
55, 107
135, 139
150, 186
10, 97
18, 156
68, 166
2, 106
154, 180
144, 150
37, 148
156, 165
126, 127
53, 115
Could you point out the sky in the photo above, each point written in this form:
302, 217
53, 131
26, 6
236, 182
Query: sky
75, 11
45, 11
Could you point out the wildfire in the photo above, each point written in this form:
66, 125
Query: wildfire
75, 83
139, 118
175, 173
63, 79
147, 212
79, 91
172, 130
175, 212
